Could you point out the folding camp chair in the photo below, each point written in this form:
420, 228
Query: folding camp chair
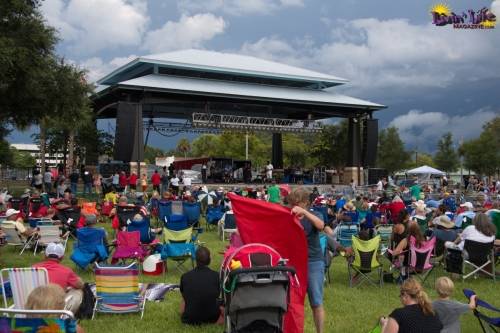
164, 210
466, 221
144, 228
495, 219
345, 231
422, 223
176, 222
365, 262
327, 256
322, 210
49, 233
13, 238
89, 247
419, 262
90, 208
128, 246
479, 256
192, 210
33, 321
117, 289
227, 224
488, 324
214, 214
179, 246
22, 282
69, 218
385, 232
177, 207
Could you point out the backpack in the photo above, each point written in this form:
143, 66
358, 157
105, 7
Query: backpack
86, 309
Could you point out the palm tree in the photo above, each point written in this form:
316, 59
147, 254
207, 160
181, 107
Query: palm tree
183, 146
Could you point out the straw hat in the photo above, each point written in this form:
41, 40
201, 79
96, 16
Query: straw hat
349, 206
445, 222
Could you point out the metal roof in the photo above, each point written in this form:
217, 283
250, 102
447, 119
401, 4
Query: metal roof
202, 61
193, 86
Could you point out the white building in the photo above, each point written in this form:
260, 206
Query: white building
34, 150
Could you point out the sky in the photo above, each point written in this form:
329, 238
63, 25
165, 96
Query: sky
434, 79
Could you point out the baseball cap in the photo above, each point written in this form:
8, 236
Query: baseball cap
54, 249
10, 212
468, 205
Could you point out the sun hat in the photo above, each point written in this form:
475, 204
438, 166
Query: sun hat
54, 249
445, 222
11, 211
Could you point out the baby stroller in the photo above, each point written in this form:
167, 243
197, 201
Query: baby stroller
256, 285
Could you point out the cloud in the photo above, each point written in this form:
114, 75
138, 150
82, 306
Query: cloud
88, 26
188, 32
98, 68
237, 7
423, 129
379, 54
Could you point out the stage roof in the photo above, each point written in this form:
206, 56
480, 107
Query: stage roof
210, 64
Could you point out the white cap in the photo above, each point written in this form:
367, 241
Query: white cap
10, 212
54, 249
469, 205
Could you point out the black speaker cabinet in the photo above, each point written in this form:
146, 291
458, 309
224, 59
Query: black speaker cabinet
129, 141
370, 142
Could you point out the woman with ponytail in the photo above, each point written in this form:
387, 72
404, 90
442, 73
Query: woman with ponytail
415, 316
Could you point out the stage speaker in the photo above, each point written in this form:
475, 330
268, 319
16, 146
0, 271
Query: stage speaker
370, 142
129, 140
374, 174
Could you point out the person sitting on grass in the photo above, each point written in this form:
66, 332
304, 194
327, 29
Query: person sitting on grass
48, 297
449, 311
416, 315
62, 275
200, 289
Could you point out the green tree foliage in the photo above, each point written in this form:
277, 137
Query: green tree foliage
183, 147
26, 63
151, 153
482, 155
5, 153
423, 159
391, 151
22, 159
330, 146
296, 151
205, 145
446, 157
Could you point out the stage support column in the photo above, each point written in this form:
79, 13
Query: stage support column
353, 170
129, 140
277, 151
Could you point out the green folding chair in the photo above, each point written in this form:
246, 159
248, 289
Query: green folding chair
365, 262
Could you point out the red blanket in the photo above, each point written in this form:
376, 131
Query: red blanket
274, 225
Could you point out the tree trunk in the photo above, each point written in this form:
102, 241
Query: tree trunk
43, 141
71, 152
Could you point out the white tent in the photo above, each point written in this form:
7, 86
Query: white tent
425, 170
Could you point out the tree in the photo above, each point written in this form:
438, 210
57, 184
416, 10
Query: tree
423, 159
330, 146
205, 145
296, 151
183, 146
22, 159
151, 153
482, 155
446, 157
26, 63
391, 151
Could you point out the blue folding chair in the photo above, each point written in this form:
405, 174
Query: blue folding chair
89, 247
192, 210
487, 322
164, 210
323, 242
176, 222
144, 229
345, 232
214, 214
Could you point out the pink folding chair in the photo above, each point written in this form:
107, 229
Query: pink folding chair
420, 264
128, 246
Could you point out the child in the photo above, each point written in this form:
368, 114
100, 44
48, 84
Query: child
449, 311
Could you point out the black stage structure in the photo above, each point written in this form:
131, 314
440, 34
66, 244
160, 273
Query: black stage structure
212, 91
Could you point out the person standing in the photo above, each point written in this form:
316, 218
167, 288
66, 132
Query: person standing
164, 180
144, 182
269, 171
87, 182
415, 190
204, 173
115, 180
38, 180
274, 193
156, 181
123, 181
97, 183
73, 180
132, 181
174, 183
312, 224
47, 180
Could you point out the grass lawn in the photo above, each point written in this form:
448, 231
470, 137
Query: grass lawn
347, 310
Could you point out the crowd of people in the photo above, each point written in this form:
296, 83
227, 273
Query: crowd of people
416, 216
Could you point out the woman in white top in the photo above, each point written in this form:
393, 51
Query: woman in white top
481, 230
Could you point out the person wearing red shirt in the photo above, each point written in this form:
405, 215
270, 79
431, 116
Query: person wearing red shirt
132, 181
123, 181
396, 206
156, 180
62, 275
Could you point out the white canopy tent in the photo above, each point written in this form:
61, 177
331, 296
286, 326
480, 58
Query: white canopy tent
425, 170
